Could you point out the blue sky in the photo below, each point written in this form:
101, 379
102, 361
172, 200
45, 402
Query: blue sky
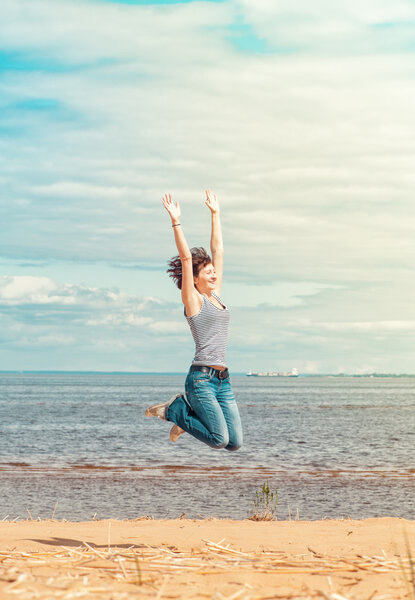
299, 115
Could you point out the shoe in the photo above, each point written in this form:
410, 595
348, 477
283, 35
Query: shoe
159, 410
176, 432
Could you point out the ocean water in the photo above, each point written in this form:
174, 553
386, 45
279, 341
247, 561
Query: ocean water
79, 445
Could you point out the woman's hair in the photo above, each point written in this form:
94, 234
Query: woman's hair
200, 258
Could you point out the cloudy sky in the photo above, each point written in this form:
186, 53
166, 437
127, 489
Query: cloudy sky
298, 114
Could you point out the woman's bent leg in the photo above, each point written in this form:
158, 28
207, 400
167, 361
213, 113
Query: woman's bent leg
230, 411
200, 413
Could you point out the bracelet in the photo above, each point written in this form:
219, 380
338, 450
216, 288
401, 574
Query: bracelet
177, 224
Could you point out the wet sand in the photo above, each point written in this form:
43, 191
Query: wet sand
191, 559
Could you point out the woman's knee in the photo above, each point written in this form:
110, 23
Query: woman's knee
234, 444
233, 447
219, 440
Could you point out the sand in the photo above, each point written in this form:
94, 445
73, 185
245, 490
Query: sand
219, 559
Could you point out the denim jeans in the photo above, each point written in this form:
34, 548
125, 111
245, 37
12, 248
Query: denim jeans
208, 411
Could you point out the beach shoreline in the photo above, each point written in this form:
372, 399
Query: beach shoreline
207, 558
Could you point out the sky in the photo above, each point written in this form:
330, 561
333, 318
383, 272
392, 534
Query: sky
298, 114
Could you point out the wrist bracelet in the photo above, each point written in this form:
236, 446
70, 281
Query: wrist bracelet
177, 224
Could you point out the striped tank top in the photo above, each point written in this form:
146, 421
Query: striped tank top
209, 328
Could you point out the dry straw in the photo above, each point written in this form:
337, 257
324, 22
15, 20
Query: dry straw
407, 569
118, 573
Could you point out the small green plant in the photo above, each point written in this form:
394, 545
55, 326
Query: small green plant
265, 504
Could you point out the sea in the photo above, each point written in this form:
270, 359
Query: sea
77, 446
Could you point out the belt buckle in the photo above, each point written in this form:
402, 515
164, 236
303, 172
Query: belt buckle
223, 374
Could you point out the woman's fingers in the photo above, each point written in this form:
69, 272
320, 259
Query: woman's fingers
208, 200
167, 201
210, 195
172, 208
211, 201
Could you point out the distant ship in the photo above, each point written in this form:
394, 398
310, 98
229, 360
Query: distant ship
292, 373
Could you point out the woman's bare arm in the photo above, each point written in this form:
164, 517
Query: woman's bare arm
190, 297
216, 240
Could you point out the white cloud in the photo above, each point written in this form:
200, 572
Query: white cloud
336, 26
89, 306
359, 326
310, 152
32, 290
118, 319
50, 342
169, 327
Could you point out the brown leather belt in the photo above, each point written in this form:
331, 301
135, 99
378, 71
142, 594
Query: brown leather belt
216, 372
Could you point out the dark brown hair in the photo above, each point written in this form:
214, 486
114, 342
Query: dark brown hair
200, 258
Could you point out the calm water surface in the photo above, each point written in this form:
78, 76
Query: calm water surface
333, 447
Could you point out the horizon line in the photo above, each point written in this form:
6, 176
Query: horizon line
95, 372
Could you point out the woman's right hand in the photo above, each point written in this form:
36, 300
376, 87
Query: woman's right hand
172, 208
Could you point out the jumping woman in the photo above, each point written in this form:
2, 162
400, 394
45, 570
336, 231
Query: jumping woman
207, 410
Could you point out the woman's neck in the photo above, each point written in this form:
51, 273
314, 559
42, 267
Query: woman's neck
207, 293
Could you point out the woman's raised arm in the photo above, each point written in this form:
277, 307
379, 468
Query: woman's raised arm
190, 297
216, 240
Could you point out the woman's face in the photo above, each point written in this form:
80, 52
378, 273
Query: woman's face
206, 279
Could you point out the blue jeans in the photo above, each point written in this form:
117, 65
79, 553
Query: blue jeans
208, 411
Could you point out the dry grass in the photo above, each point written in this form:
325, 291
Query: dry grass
408, 569
118, 573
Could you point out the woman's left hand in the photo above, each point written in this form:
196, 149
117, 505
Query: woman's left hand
212, 202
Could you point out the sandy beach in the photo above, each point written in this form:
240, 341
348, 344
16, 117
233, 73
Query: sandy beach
220, 559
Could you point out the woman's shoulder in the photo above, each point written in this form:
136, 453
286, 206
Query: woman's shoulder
217, 296
220, 301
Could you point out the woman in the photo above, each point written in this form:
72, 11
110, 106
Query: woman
207, 410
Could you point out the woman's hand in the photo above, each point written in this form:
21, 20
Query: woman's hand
172, 208
212, 202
